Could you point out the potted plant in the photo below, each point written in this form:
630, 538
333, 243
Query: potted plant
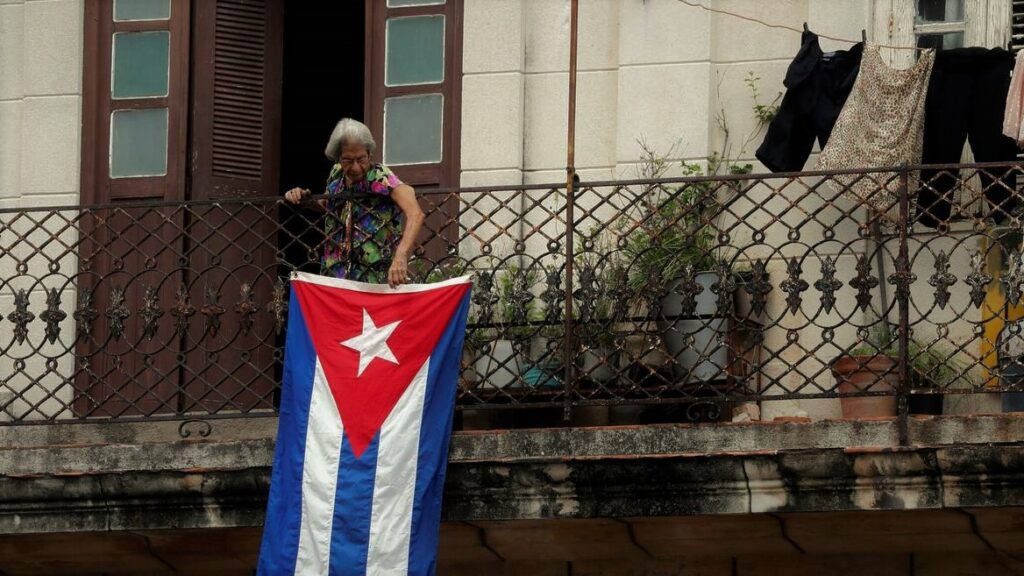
504, 344
933, 369
874, 367
677, 272
871, 367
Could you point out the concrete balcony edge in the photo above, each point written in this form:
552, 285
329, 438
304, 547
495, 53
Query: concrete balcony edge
76, 483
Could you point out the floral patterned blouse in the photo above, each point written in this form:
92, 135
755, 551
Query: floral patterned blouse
362, 227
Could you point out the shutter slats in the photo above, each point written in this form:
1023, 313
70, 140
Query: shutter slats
239, 72
1017, 26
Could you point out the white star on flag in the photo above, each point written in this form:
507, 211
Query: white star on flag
372, 343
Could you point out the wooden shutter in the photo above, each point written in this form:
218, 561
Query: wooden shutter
127, 252
1017, 26
235, 152
236, 98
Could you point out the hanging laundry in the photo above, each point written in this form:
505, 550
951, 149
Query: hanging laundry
967, 96
817, 85
1013, 122
882, 124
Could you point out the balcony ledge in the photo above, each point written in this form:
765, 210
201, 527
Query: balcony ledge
122, 476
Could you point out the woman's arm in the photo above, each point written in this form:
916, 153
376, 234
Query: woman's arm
297, 195
405, 197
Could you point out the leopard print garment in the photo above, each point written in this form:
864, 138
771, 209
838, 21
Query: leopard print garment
882, 124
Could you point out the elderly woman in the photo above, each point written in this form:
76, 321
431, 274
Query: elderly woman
373, 219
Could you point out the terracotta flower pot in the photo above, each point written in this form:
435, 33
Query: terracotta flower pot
866, 374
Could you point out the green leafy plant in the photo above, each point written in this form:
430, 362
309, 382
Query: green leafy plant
765, 113
670, 229
931, 366
513, 314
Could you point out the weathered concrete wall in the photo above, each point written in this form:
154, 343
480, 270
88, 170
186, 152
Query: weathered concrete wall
835, 497
85, 481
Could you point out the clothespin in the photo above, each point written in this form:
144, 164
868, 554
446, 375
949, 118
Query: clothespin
863, 35
805, 27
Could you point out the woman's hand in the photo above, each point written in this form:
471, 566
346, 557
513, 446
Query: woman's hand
295, 195
398, 274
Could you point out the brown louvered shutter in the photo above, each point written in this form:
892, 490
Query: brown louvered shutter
1017, 26
236, 103
236, 111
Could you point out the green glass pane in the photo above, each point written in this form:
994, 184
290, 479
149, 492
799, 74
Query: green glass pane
138, 143
142, 10
400, 3
415, 51
412, 129
140, 64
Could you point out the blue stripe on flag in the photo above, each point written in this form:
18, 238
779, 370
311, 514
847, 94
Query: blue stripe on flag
352, 508
438, 410
280, 544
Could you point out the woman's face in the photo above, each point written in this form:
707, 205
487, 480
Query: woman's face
355, 161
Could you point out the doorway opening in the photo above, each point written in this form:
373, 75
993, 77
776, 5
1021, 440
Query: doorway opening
324, 55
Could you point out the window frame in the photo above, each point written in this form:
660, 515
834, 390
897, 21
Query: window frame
446, 172
985, 23
98, 105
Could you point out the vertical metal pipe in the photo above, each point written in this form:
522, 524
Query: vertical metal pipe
903, 277
570, 198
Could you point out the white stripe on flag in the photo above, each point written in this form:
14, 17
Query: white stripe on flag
395, 484
324, 434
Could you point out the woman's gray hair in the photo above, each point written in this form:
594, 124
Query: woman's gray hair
349, 131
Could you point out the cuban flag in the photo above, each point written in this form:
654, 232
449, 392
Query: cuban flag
367, 399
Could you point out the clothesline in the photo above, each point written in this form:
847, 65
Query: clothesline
784, 27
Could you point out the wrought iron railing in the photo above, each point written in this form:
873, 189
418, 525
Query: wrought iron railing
700, 291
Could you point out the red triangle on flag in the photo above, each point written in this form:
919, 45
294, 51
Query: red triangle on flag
335, 315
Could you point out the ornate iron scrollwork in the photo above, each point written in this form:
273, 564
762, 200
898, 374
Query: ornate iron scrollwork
21, 316
521, 297
484, 297
586, 295
827, 284
864, 283
150, 312
117, 312
278, 305
53, 315
553, 296
902, 278
794, 285
759, 288
246, 307
689, 289
204, 428
85, 314
620, 294
724, 288
941, 280
978, 279
212, 310
1013, 279
182, 310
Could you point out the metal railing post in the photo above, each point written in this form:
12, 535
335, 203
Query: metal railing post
570, 217
903, 279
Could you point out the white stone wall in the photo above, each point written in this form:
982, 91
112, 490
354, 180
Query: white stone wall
41, 49
40, 101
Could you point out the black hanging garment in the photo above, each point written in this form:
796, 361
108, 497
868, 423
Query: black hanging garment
966, 100
817, 85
